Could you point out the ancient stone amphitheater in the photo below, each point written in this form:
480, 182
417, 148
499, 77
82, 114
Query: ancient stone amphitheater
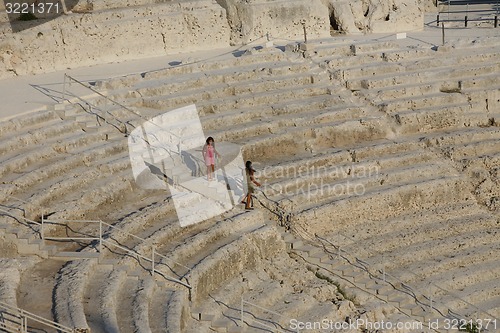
380, 164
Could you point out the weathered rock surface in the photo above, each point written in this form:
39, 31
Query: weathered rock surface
95, 32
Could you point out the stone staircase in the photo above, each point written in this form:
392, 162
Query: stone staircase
26, 236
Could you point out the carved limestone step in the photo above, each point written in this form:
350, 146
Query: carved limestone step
68, 256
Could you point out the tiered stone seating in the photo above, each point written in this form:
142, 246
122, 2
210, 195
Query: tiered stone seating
160, 236
420, 162
392, 183
471, 234
424, 93
9, 278
371, 175
449, 246
275, 288
122, 292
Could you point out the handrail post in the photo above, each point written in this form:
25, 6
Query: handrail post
241, 312
42, 231
100, 237
153, 262
430, 296
383, 268
64, 88
24, 326
442, 32
305, 30
466, 14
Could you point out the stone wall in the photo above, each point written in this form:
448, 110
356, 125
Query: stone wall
106, 36
111, 30
8, 248
245, 254
251, 20
377, 16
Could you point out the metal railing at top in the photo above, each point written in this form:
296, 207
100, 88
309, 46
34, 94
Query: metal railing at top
263, 323
106, 241
14, 319
465, 14
427, 300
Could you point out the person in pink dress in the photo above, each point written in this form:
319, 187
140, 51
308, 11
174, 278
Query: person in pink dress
209, 154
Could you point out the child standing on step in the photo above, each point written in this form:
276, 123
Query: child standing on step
209, 153
249, 171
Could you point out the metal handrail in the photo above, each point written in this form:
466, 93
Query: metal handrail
255, 320
24, 315
105, 97
145, 135
98, 93
404, 285
154, 269
178, 264
284, 217
102, 223
102, 241
487, 12
106, 241
90, 106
